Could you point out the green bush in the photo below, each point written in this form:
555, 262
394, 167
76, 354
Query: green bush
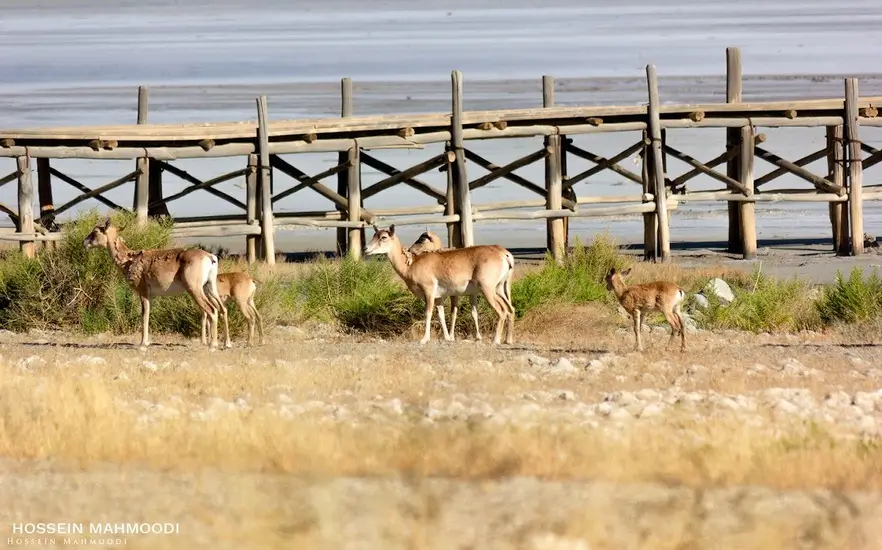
852, 300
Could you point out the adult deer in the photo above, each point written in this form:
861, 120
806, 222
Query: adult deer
640, 300
485, 269
241, 287
164, 272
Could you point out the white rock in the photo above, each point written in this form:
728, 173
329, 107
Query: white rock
696, 370
567, 395
148, 366
605, 409
701, 301
562, 367
647, 395
620, 414
527, 376
536, 360
653, 409
721, 290
786, 407
865, 401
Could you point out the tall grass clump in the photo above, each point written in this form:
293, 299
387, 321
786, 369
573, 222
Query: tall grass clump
579, 279
853, 299
765, 304
360, 295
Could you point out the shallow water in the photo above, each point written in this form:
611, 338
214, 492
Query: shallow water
80, 62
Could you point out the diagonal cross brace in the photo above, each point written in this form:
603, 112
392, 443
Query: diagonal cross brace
196, 181
597, 159
605, 164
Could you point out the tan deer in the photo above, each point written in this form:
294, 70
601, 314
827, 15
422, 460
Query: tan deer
164, 272
241, 287
640, 300
427, 242
485, 269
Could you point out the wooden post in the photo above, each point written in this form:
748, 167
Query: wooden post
553, 181
356, 234
650, 219
836, 169
855, 168
450, 206
733, 138
747, 215
47, 204
154, 185
25, 205
661, 199
266, 218
251, 241
569, 193
142, 182
462, 194
343, 156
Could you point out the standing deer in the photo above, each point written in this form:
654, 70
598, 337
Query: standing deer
640, 300
241, 287
455, 272
164, 272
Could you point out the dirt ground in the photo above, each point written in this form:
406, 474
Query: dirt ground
567, 439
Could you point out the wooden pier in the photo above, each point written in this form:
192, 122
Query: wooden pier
354, 140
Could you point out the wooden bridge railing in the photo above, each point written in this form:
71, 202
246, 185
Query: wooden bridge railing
155, 147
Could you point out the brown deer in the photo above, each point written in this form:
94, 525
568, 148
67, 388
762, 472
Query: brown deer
241, 286
640, 300
164, 272
485, 269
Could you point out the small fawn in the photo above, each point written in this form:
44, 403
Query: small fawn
640, 300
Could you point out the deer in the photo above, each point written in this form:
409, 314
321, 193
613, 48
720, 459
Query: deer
640, 300
164, 272
484, 269
241, 286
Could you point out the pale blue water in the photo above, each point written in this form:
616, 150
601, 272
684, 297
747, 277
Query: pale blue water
80, 62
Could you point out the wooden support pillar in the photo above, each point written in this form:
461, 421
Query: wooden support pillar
555, 239
747, 215
569, 193
462, 194
266, 217
450, 205
661, 199
142, 183
252, 242
650, 219
47, 204
836, 169
733, 139
346, 110
356, 234
25, 206
154, 185
855, 167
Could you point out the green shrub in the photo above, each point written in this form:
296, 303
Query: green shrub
852, 300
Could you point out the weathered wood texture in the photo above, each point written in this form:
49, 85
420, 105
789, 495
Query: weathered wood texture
733, 137
661, 209
855, 167
553, 180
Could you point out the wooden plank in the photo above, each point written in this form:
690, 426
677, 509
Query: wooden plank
597, 159
855, 167
661, 204
74, 183
733, 136
264, 174
758, 120
142, 166
554, 227
310, 181
874, 158
650, 219
783, 195
8, 178
679, 155
817, 181
186, 176
387, 169
251, 193
778, 172
462, 196
836, 168
203, 185
502, 171
95, 192
346, 111
747, 213
25, 206
400, 177
44, 192
354, 210
450, 203
604, 165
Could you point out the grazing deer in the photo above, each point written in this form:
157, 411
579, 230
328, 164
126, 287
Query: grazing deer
455, 272
241, 287
164, 272
640, 300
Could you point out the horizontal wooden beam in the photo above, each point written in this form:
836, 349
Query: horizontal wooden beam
389, 170
817, 181
597, 159
497, 172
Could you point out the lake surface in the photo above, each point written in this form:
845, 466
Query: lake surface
72, 62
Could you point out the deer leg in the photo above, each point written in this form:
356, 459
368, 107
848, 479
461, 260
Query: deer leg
249, 316
682, 327
504, 292
204, 338
474, 302
443, 322
430, 309
206, 305
145, 322
638, 322
496, 303
454, 310
218, 304
257, 317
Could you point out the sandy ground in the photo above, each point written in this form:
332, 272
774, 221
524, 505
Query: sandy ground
574, 380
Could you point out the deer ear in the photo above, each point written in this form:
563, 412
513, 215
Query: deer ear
392, 229
106, 224
626, 272
374, 226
